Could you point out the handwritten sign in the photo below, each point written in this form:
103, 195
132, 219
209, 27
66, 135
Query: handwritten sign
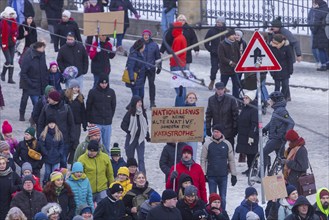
178, 124
274, 187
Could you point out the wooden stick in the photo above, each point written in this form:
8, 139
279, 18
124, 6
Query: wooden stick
191, 47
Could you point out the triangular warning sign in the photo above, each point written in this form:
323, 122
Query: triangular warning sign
257, 49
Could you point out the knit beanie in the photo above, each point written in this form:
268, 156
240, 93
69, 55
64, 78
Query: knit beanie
77, 167
292, 135
6, 127
54, 95
51, 208
47, 90
131, 162
93, 146
187, 148
115, 150
277, 22
51, 119
28, 178
30, 131
251, 94
116, 187
123, 171
250, 191
218, 127
154, 197
4, 146
86, 209
103, 78
324, 192
290, 188
40, 216
239, 33
52, 63
252, 216
55, 176
93, 130
147, 31
74, 83
168, 194
66, 13
191, 191
78, 217
220, 19
214, 197
26, 166
229, 33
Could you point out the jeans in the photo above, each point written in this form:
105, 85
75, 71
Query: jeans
167, 19
271, 145
221, 183
194, 146
323, 57
264, 92
180, 91
120, 38
150, 75
283, 84
138, 91
49, 168
25, 97
106, 131
98, 196
235, 83
9, 55
130, 151
214, 66
79, 79
96, 79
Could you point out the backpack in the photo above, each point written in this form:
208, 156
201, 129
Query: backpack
138, 200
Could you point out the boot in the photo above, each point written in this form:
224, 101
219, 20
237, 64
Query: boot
211, 85
21, 117
10, 74
4, 71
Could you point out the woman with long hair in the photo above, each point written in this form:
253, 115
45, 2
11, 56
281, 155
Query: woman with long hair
52, 146
60, 192
135, 125
15, 214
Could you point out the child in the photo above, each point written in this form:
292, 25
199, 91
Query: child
7, 131
123, 180
132, 166
5, 151
27, 170
116, 159
185, 180
55, 77
52, 146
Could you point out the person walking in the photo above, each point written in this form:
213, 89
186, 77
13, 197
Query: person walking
27, 31
169, 9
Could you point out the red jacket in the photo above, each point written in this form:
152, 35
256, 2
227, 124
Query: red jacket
178, 44
197, 175
8, 29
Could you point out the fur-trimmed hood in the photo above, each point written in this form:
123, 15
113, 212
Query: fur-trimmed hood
6, 13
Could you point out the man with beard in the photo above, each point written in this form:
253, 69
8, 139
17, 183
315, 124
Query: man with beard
322, 203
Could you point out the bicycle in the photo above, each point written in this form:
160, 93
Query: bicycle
274, 169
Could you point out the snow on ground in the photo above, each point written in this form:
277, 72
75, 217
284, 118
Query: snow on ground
309, 108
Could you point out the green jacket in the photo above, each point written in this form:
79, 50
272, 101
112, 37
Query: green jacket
98, 170
319, 210
82, 148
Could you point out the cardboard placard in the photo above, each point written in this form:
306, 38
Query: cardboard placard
177, 124
274, 187
105, 20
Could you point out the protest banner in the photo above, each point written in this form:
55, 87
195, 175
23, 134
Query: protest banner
274, 187
177, 124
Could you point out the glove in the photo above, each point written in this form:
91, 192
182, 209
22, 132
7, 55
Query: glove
250, 141
233, 180
147, 138
206, 178
158, 70
132, 83
98, 49
137, 16
173, 175
114, 49
209, 132
264, 131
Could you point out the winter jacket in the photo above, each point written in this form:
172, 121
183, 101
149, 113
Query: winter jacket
32, 35
100, 61
52, 151
126, 185
178, 44
53, 10
215, 156
248, 128
100, 106
9, 33
75, 55
109, 209
21, 154
151, 54
212, 216
29, 202
212, 46
64, 120
224, 112
82, 148
197, 175
284, 57
310, 214
284, 209
55, 80
144, 210
241, 211
78, 110
9, 183
169, 4
115, 5
98, 170
34, 73
133, 66
99, 7
227, 52
82, 191
37, 108
167, 158
61, 31
187, 210
319, 39
161, 212
319, 210
280, 122
116, 165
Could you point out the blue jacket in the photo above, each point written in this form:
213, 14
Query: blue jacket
51, 150
116, 165
133, 65
241, 211
151, 54
55, 79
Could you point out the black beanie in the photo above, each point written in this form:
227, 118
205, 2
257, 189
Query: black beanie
277, 22
116, 187
229, 33
168, 194
131, 162
103, 78
218, 127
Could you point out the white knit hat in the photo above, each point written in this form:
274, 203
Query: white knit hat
251, 94
66, 13
239, 33
6, 13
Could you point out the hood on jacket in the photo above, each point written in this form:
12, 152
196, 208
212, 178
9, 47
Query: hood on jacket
183, 178
302, 201
177, 29
6, 13
282, 103
318, 202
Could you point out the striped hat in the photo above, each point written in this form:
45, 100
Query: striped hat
93, 130
55, 176
4, 146
115, 150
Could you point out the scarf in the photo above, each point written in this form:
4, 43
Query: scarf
81, 178
58, 190
133, 126
75, 96
229, 41
6, 172
290, 201
187, 163
7, 27
290, 154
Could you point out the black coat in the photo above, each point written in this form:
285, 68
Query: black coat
78, 110
212, 216
212, 46
9, 184
32, 36
101, 104
228, 52
284, 57
161, 212
61, 31
100, 61
224, 112
52, 151
109, 209
29, 203
34, 72
75, 55
186, 211
320, 39
248, 128
134, 66
53, 10
169, 4
310, 214
125, 4
37, 108
21, 154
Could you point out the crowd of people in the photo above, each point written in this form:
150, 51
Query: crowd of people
91, 179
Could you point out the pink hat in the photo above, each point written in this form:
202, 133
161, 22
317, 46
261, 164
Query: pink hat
146, 31
52, 64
